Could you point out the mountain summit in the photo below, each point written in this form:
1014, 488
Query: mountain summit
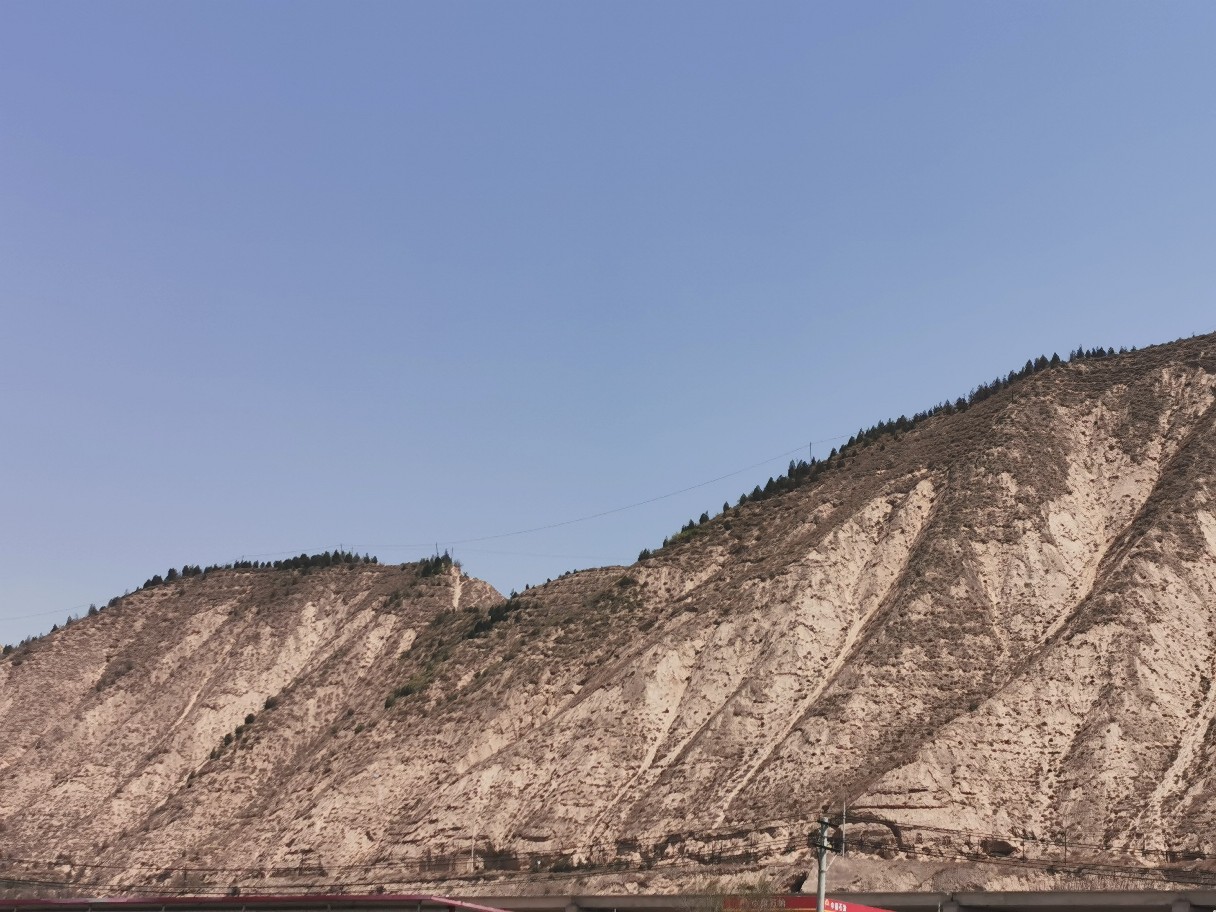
990, 634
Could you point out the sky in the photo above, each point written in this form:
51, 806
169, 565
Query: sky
287, 277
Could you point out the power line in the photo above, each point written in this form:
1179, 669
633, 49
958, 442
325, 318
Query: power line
500, 535
712, 835
632, 506
580, 519
747, 851
1080, 869
21, 617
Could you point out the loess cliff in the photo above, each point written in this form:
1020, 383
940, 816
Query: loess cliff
992, 637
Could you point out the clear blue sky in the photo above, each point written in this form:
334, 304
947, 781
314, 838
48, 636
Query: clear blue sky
282, 276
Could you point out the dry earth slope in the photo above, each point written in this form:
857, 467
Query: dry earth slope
1000, 622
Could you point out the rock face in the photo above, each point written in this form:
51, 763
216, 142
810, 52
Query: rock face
989, 636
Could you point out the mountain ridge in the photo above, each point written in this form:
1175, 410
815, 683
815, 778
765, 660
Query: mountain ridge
960, 628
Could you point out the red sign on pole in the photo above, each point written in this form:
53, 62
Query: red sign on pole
839, 905
790, 903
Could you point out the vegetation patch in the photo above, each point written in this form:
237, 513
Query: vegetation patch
301, 562
115, 669
435, 566
429, 652
496, 615
235, 735
416, 684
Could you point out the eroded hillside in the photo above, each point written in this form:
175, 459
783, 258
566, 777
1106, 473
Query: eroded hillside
1001, 623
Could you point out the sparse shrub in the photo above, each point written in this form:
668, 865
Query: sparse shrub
496, 615
249, 719
415, 685
113, 671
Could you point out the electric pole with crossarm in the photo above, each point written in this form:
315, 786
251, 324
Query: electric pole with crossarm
824, 843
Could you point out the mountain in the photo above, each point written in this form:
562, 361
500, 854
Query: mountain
990, 633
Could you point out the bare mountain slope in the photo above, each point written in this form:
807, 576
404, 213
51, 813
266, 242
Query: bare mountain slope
1001, 622
106, 721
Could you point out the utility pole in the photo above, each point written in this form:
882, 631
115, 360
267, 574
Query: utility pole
821, 849
822, 845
